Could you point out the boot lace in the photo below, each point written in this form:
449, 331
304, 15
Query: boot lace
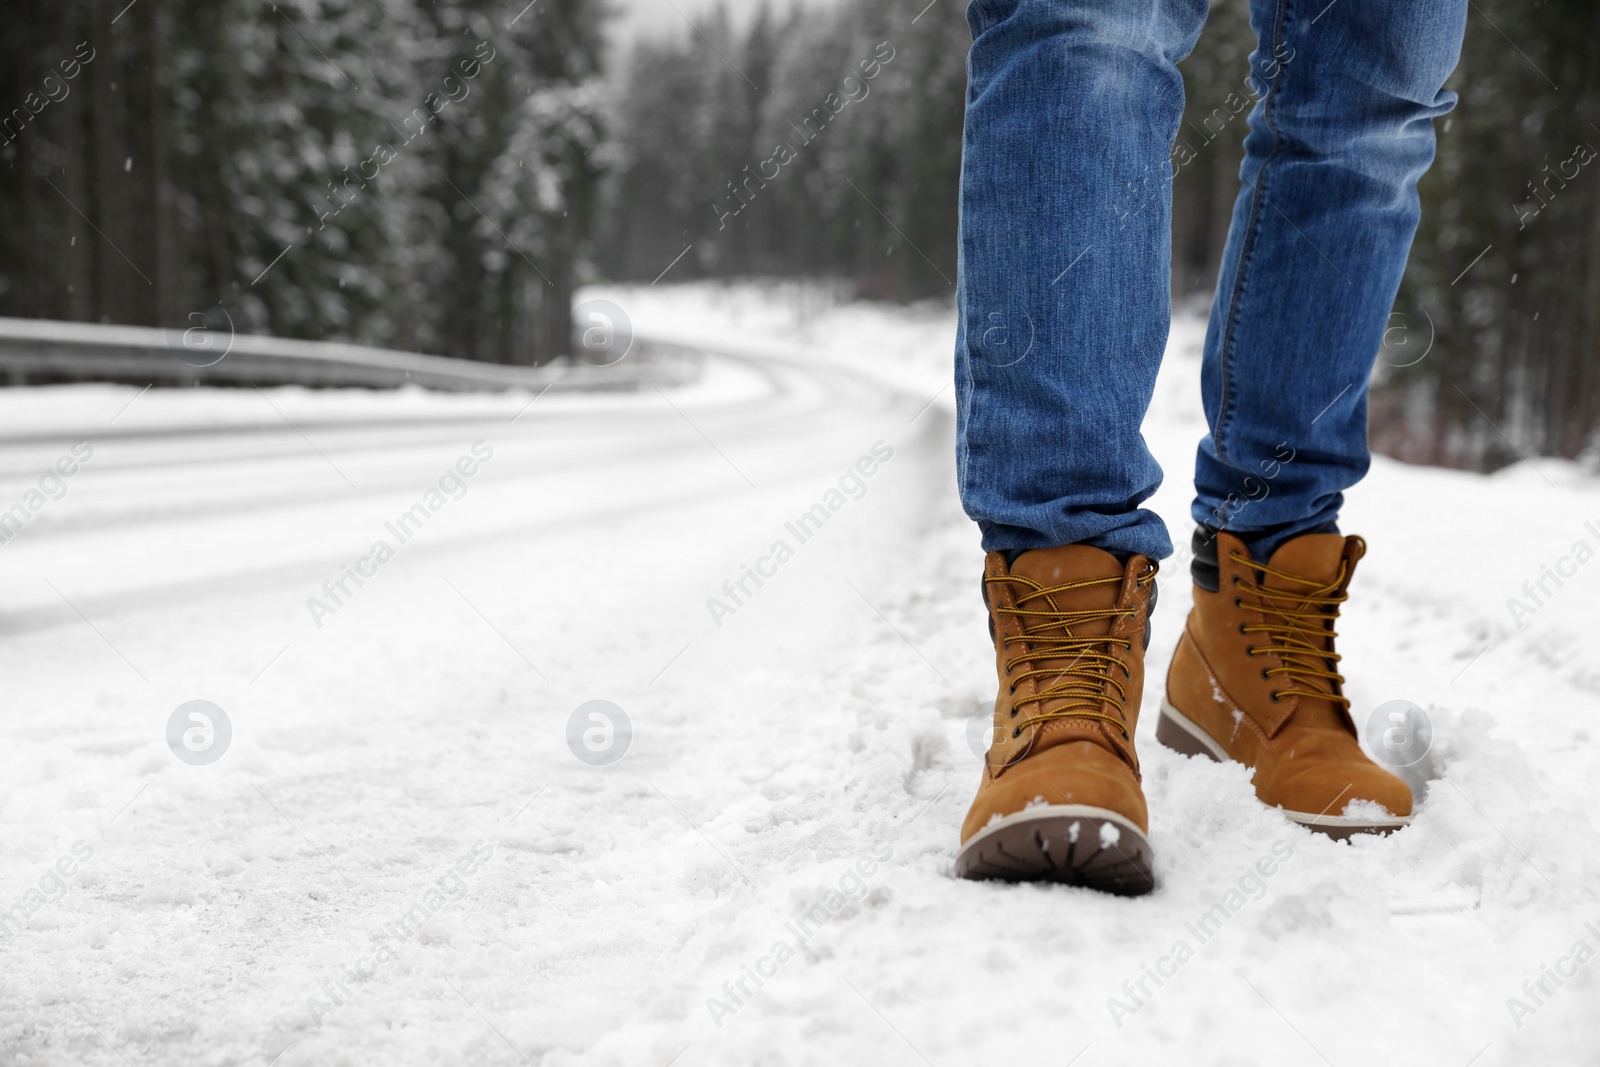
1299, 621
1047, 635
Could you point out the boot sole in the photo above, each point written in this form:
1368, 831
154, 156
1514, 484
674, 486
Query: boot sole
1073, 844
1178, 733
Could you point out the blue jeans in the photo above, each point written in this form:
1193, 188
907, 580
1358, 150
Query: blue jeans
1071, 144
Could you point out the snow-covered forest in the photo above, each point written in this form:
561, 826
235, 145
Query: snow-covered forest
416, 175
438, 177
1517, 334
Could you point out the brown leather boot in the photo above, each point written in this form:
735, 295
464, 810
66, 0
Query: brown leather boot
1060, 799
1255, 679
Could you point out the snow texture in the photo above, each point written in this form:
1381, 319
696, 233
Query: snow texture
401, 858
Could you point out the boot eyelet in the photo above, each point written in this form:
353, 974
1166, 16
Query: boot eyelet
1275, 697
1268, 677
1016, 732
1125, 736
1241, 627
1013, 713
1235, 579
1238, 603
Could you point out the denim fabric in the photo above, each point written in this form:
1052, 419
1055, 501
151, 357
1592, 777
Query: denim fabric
1073, 108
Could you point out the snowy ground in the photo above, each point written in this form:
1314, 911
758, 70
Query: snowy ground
399, 859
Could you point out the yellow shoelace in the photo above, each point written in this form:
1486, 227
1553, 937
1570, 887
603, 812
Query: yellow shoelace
1084, 679
1305, 620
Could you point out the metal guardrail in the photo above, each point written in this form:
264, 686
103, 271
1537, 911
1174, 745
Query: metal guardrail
47, 350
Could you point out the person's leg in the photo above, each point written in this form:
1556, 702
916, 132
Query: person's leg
1319, 240
1065, 298
1065, 247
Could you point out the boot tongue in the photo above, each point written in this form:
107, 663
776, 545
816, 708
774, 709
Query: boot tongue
1051, 567
1315, 557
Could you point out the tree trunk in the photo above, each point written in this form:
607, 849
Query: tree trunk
160, 311
112, 271
34, 302
73, 178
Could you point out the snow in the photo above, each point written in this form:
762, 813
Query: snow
400, 860
1365, 809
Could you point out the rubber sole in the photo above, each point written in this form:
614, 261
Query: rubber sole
1073, 844
1179, 733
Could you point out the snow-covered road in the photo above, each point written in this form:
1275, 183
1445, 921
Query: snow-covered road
408, 853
